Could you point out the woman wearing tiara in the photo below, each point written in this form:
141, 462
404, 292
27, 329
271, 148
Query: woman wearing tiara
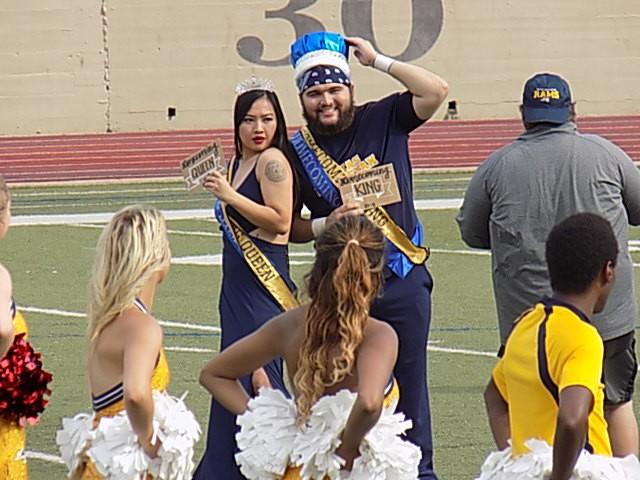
340, 361
254, 208
22, 389
137, 431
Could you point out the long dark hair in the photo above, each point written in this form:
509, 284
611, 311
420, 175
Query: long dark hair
345, 279
281, 137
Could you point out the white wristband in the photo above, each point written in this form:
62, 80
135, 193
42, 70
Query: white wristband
383, 63
317, 226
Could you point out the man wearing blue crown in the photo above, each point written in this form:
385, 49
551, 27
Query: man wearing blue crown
341, 138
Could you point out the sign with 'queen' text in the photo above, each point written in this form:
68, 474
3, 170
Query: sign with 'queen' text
196, 167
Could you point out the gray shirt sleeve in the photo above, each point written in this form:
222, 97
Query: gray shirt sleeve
473, 217
630, 189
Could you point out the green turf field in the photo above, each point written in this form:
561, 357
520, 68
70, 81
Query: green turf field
50, 266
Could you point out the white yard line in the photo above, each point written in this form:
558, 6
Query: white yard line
193, 214
193, 233
216, 259
462, 351
63, 193
436, 181
96, 204
44, 457
189, 349
164, 323
65, 219
482, 253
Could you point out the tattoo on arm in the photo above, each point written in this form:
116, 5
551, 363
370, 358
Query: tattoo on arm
275, 171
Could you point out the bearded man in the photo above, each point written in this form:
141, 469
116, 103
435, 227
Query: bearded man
340, 138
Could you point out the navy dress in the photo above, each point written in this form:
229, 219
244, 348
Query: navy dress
245, 305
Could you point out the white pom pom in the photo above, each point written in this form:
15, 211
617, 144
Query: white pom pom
115, 451
537, 465
267, 432
73, 438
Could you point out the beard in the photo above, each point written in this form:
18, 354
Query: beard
345, 119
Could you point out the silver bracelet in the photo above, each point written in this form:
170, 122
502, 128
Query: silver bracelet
318, 226
383, 63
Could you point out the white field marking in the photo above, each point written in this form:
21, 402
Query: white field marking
44, 457
463, 351
192, 214
438, 204
164, 323
51, 311
439, 190
94, 204
65, 219
188, 349
64, 193
190, 326
462, 252
216, 260
194, 233
435, 181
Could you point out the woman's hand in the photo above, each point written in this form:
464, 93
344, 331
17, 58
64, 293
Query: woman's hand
344, 210
151, 449
260, 379
218, 184
348, 456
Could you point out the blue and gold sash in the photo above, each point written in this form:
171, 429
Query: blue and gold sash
260, 265
324, 173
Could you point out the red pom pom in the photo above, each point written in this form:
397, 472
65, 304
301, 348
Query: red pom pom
23, 383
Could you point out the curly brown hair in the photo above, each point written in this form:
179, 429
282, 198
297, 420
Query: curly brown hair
345, 279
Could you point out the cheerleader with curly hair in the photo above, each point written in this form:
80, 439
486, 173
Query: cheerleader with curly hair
339, 359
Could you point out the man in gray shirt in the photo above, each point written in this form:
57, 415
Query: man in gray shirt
525, 188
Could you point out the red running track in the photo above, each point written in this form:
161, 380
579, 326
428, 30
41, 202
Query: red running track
102, 156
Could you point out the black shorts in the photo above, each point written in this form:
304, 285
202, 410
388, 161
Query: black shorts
620, 368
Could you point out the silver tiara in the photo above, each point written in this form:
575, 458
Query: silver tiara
254, 83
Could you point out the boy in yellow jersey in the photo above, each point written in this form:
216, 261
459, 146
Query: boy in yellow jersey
548, 385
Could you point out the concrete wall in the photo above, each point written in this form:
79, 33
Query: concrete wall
117, 65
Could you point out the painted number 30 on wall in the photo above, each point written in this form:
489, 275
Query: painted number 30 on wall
357, 21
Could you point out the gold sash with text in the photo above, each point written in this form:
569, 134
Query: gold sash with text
378, 215
258, 262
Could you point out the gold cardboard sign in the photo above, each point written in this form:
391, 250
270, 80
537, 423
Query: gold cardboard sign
371, 188
196, 167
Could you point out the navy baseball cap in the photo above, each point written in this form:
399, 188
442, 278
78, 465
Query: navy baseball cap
546, 98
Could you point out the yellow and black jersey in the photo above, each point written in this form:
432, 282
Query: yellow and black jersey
551, 347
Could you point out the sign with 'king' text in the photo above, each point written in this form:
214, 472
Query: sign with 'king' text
371, 188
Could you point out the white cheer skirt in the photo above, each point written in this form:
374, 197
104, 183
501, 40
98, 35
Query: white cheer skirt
269, 441
536, 465
114, 449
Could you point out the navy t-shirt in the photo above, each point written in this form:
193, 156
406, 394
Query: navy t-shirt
381, 128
